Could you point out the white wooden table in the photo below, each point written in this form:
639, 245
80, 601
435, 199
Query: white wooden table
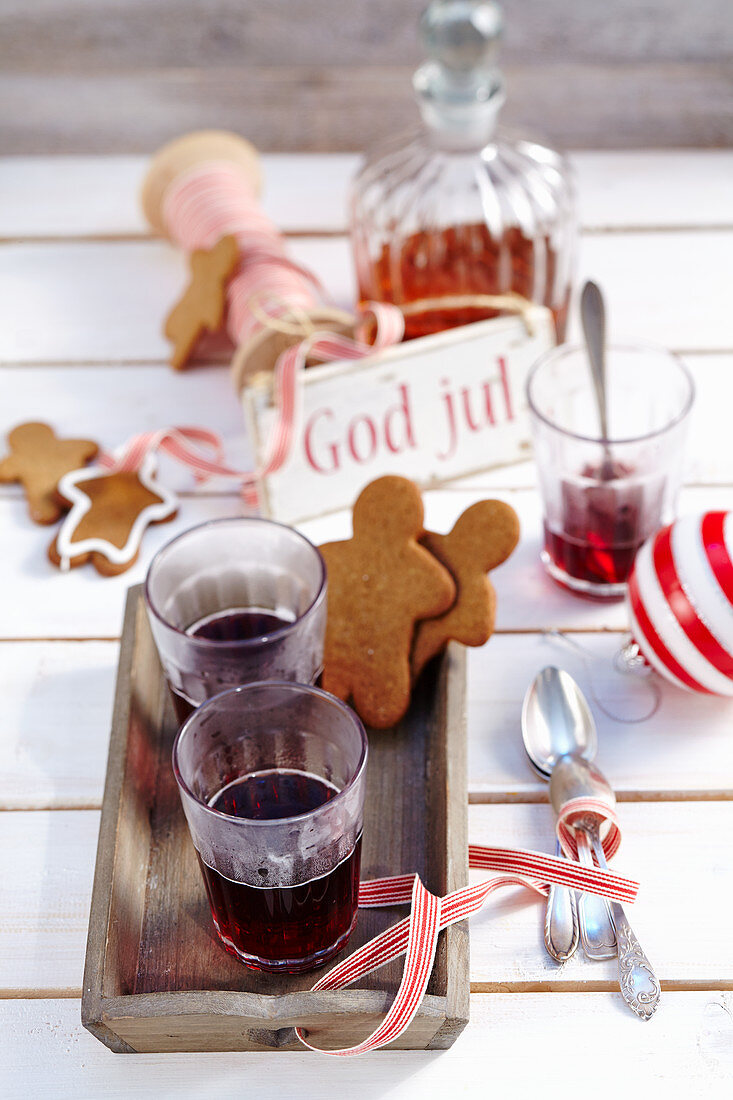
83, 289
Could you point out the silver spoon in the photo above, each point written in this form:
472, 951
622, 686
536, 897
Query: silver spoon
557, 721
593, 317
573, 777
545, 705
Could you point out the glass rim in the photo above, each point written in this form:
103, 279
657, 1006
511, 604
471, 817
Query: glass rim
562, 350
288, 685
242, 643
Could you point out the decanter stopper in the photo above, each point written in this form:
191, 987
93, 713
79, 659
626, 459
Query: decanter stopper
460, 88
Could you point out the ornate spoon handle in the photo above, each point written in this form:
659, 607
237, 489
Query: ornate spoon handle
639, 984
561, 920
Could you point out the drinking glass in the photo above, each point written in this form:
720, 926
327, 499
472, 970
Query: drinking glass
603, 498
233, 601
271, 777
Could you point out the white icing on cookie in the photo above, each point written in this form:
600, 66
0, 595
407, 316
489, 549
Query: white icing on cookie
71, 488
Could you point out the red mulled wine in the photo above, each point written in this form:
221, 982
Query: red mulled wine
238, 624
591, 558
290, 926
234, 624
602, 526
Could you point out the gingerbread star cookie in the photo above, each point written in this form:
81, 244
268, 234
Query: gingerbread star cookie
201, 309
38, 459
380, 583
482, 538
109, 513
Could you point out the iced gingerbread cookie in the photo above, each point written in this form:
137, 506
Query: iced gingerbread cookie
38, 459
482, 538
380, 583
109, 513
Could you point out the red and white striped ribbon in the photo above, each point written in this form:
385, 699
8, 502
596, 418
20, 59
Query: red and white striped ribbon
416, 936
202, 450
216, 199
197, 448
578, 807
328, 347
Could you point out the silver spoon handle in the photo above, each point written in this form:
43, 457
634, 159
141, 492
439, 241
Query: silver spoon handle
596, 924
639, 984
593, 317
561, 920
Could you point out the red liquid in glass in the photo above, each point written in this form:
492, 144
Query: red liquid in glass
232, 625
603, 526
238, 625
591, 559
288, 927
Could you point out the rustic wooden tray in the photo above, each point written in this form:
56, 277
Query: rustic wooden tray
156, 979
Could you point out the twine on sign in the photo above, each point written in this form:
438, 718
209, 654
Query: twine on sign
298, 322
511, 302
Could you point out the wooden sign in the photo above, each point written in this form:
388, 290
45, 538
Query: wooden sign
434, 409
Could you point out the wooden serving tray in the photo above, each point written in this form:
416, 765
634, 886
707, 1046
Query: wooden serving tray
156, 978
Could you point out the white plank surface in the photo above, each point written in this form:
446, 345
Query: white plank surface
659, 231
514, 1043
684, 899
527, 599
683, 750
97, 301
56, 721
106, 302
98, 196
49, 857
656, 189
77, 402
40, 602
670, 293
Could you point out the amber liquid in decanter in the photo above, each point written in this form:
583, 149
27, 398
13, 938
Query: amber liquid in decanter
459, 208
461, 261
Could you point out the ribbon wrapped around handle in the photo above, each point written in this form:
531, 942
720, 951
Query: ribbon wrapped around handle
579, 807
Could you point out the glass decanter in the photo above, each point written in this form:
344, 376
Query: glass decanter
460, 208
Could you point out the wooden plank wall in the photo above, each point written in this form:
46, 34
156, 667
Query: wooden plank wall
104, 76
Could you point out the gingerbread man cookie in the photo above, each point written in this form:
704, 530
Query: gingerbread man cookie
380, 582
201, 309
38, 459
109, 513
482, 538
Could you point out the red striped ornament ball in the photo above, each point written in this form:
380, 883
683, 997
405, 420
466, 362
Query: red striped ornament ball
680, 601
